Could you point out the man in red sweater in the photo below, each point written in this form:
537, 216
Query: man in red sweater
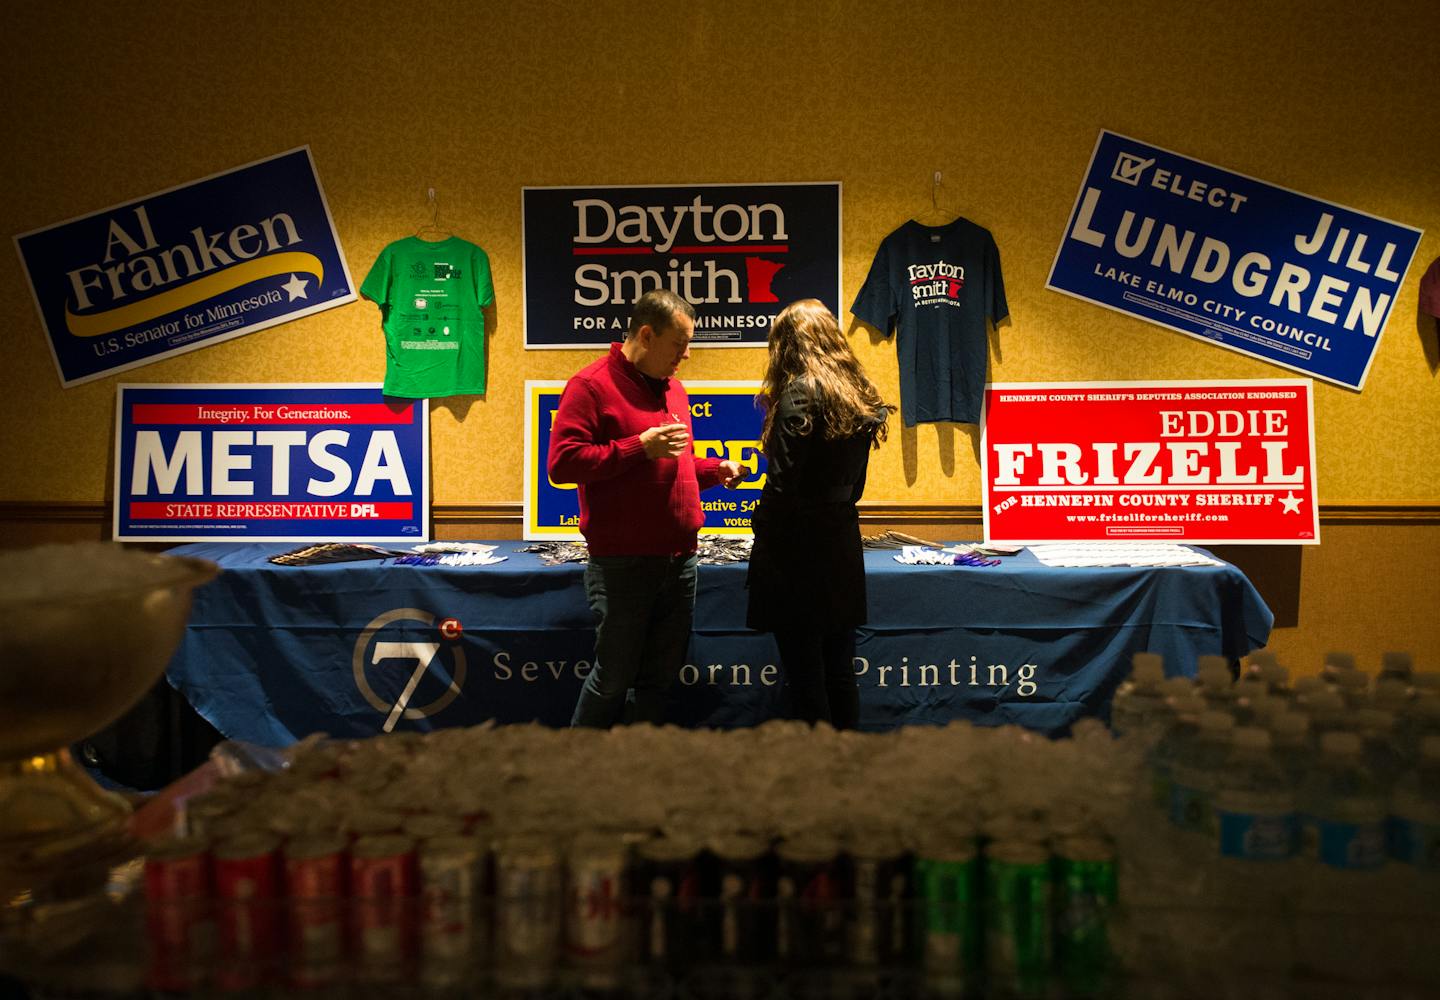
622, 433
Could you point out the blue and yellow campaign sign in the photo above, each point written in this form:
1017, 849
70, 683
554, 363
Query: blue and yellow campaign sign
1293, 280
726, 423
181, 269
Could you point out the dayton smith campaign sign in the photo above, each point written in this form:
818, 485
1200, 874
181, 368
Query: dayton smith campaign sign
1283, 277
739, 252
1206, 462
269, 463
185, 268
726, 424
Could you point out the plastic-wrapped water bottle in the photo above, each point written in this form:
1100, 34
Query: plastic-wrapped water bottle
1414, 832
1328, 714
1175, 744
1140, 700
1391, 694
1216, 685
1347, 805
1195, 774
1380, 748
1259, 661
1255, 802
1420, 719
1290, 743
1306, 688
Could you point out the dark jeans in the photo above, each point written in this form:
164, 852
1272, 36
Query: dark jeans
643, 608
820, 670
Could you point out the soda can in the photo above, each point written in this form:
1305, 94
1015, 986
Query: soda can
527, 912
247, 893
596, 886
1087, 891
1018, 926
810, 899
451, 886
879, 933
947, 888
668, 882
383, 890
315, 885
177, 912
737, 930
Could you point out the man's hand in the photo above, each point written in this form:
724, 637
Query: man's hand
731, 473
665, 441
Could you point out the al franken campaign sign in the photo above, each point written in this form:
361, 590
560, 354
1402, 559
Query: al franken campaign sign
185, 268
1298, 282
270, 463
739, 252
725, 423
1205, 462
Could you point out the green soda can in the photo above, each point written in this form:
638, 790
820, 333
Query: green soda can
1017, 920
947, 883
1087, 891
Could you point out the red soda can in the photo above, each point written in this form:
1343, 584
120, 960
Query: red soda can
596, 885
451, 888
528, 919
247, 894
810, 896
177, 912
383, 890
315, 883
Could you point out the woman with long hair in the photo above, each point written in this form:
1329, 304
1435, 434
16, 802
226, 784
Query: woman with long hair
807, 571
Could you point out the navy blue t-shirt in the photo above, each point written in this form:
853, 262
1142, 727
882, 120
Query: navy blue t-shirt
936, 286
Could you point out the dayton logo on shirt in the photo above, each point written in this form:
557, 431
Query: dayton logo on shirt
933, 284
137, 280
691, 238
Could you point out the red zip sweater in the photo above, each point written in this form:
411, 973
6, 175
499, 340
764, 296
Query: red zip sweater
630, 505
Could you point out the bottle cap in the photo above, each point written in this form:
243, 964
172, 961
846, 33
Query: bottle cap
1262, 658
1340, 744
1252, 738
1397, 664
1339, 661
1178, 686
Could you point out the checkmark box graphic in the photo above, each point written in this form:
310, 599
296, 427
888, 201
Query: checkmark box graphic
1129, 168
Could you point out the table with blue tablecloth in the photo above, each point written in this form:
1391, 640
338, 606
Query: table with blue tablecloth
273, 653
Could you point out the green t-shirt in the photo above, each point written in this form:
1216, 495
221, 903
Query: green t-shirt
430, 297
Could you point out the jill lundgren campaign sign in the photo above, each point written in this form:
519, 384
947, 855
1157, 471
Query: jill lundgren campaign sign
1293, 280
286, 463
185, 268
726, 424
739, 252
1204, 462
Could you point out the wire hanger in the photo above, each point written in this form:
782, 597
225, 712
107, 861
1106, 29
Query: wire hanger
432, 229
936, 215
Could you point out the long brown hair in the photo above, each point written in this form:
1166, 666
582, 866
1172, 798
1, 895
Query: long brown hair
807, 347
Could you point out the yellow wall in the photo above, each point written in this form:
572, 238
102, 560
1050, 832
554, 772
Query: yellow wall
106, 102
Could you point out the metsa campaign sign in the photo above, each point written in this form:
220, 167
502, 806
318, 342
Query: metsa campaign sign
1204, 462
198, 264
726, 425
270, 463
738, 252
1293, 280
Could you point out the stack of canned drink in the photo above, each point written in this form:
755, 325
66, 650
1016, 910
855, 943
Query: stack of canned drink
372, 863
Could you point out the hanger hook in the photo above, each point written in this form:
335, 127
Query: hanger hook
935, 191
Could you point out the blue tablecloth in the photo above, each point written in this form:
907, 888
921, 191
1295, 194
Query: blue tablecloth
273, 653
